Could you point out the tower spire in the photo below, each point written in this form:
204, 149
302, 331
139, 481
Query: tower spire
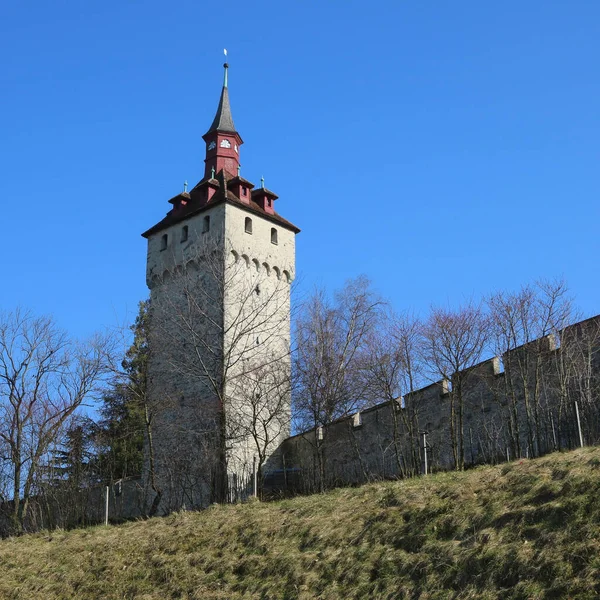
222, 140
223, 120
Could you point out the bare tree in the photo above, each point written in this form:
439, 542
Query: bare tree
454, 341
329, 337
44, 378
523, 326
260, 411
390, 364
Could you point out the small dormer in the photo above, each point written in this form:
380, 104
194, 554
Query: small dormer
180, 200
205, 190
241, 187
265, 199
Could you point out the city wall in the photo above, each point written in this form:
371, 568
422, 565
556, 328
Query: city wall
68, 508
516, 406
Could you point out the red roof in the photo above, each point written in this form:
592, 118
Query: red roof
196, 205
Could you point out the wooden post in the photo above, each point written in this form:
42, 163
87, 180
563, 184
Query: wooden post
425, 466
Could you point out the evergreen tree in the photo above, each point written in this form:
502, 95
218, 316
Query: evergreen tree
74, 463
120, 432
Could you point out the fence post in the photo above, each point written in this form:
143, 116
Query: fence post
254, 482
578, 423
426, 466
106, 507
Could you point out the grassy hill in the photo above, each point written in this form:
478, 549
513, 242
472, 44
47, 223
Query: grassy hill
527, 529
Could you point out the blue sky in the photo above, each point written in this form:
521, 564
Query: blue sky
446, 150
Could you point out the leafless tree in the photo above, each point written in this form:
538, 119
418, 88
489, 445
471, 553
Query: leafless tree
454, 341
260, 410
523, 326
329, 338
390, 363
44, 378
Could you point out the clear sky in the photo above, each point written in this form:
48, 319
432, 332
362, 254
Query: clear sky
445, 149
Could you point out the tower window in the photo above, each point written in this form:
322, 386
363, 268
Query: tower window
269, 202
164, 241
248, 225
184, 233
273, 235
244, 190
206, 224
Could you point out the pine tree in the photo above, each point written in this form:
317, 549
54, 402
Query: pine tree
73, 465
120, 433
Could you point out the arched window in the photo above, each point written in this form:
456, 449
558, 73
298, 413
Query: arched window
184, 233
164, 242
273, 235
248, 225
206, 224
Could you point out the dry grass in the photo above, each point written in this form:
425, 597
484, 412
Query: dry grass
527, 529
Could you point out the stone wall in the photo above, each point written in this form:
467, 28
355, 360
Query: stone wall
65, 509
519, 405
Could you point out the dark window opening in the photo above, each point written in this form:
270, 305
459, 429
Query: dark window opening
184, 233
206, 224
244, 190
269, 202
273, 235
164, 241
248, 225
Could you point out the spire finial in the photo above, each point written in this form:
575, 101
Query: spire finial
212, 173
225, 66
185, 186
262, 182
239, 169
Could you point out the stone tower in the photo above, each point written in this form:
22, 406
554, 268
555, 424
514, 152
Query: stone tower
219, 269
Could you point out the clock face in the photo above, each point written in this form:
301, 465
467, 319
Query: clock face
225, 144
212, 145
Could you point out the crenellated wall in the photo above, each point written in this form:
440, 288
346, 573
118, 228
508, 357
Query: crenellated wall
519, 405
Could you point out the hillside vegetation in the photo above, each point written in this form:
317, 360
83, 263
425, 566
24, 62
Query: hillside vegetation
527, 529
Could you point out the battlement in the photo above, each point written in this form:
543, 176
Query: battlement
387, 440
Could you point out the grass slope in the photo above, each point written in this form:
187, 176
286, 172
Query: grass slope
528, 529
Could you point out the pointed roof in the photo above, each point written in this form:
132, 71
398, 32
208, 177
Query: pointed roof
223, 120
